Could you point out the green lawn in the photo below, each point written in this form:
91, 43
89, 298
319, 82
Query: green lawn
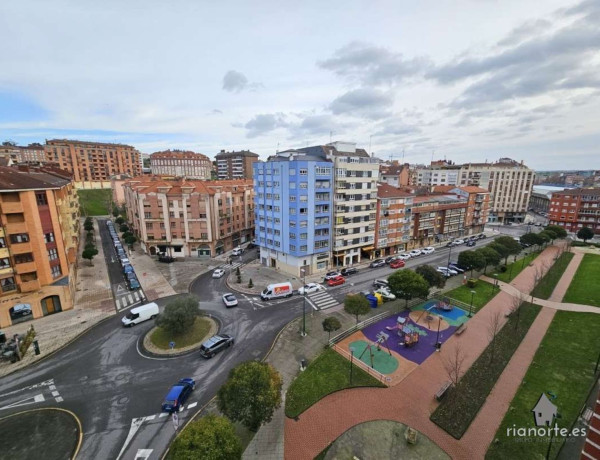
457, 411
564, 365
196, 334
546, 286
329, 372
513, 269
95, 202
484, 292
585, 288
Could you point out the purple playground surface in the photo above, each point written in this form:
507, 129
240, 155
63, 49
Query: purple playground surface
416, 353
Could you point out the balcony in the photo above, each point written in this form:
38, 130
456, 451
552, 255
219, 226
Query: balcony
27, 267
16, 227
11, 207
20, 248
29, 286
4, 253
8, 270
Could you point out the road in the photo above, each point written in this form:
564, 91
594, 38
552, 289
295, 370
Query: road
116, 391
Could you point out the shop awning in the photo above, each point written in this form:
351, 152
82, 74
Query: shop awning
368, 248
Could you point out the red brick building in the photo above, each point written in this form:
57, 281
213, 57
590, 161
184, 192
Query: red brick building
576, 208
591, 448
393, 223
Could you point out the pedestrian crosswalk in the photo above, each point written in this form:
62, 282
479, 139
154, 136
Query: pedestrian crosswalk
231, 266
322, 299
128, 299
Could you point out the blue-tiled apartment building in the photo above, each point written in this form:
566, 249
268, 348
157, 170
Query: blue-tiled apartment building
294, 212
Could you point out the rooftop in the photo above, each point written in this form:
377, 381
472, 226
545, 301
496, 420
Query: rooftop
175, 187
32, 178
242, 153
388, 191
91, 144
579, 191
179, 154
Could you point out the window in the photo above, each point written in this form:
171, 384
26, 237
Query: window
303, 224
56, 271
292, 211
303, 211
20, 238
292, 172
292, 185
204, 236
292, 198
52, 254
8, 284
303, 236
148, 225
148, 215
2, 243
321, 171
304, 185
303, 248
292, 247
303, 171
41, 199
304, 198
171, 214
5, 263
292, 237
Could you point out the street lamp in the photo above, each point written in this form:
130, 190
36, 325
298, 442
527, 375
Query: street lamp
438, 344
449, 254
303, 333
511, 266
523, 259
496, 280
351, 359
471, 305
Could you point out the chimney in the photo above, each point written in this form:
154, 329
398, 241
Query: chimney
222, 151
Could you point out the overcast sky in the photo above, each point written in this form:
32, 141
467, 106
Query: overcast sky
465, 80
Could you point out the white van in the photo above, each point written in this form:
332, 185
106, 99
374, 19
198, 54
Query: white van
138, 314
275, 291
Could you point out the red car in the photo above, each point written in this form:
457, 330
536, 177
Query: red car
336, 281
398, 263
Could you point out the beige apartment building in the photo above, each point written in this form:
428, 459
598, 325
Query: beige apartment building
39, 217
235, 165
189, 218
33, 153
93, 161
178, 163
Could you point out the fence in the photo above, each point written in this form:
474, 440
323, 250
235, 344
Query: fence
385, 379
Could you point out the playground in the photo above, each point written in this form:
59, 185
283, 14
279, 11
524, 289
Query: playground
397, 344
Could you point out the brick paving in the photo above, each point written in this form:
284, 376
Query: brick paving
411, 402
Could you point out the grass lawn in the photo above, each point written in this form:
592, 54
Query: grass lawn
329, 372
584, 288
512, 270
160, 338
564, 365
95, 202
484, 292
457, 411
546, 286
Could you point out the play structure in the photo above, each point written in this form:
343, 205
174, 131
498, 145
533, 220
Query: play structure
382, 337
410, 336
444, 305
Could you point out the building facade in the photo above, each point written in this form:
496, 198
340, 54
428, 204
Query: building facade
39, 215
437, 218
395, 174
576, 208
178, 163
293, 194
93, 161
33, 153
394, 220
187, 218
235, 165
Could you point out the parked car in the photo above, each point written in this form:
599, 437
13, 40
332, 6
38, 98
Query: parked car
538, 224
237, 251
109, 223
428, 250
470, 243
398, 263
444, 271
349, 271
309, 288
251, 246
380, 283
21, 309
230, 300
404, 256
215, 344
390, 259
165, 259
331, 275
127, 268
415, 253
385, 293
459, 242
133, 283
451, 271
449, 244
178, 395
456, 267
218, 273
481, 236
337, 281
377, 263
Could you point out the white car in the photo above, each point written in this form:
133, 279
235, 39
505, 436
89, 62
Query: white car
218, 273
428, 250
403, 256
457, 242
331, 275
444, 271
229, 300
415, 253
450, 271
237, 251
310, 288
385, 293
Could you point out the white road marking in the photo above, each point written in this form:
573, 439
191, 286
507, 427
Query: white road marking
52, 387
59, 399
30, 387
55, 394
119, 289
135, 426
143, 454
136, 296
118, 303
163, 414
190, 406
151, 417
130, 298
24, 402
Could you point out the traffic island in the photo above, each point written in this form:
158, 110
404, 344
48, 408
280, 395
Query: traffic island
50, 433
157, 342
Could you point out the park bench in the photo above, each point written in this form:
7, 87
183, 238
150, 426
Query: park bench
461, 329
443, 390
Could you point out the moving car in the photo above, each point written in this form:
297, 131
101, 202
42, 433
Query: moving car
237, 251
481, 236
428, 250
215, 344
331, 275
385, 293
218, 273
178, 395
415, 253
380, 283
277, 290
138, 314
337, 281
349, 271
230, 300
309, 288
377, 263
398, 263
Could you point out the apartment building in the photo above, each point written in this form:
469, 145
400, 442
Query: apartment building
394, 220
576, 208
33, 153
93, 161
293, 193
395, 174
39, 217
478, 205
436, 218
178, 163
185, 218
235, 165
509, 182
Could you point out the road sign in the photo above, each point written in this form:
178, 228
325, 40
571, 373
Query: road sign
171, 345
175, 421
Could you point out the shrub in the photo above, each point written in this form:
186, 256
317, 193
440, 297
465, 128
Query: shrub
250, 283
471, 283
503, 268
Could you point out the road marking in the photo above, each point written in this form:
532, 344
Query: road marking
163, 414
136, 296
190, 406
151, 417
135, 426
59, 399
55, 394
143, 454
24, 402
130, 298
30, 387
120, 288
52, 387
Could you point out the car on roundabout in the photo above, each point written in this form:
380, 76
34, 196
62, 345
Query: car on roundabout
215, 344
337, 281
230, 300
178, 395
218, 273
310, 288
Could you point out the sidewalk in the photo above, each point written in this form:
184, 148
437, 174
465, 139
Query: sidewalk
93, 303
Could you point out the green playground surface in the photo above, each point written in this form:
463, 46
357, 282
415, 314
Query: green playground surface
378, 359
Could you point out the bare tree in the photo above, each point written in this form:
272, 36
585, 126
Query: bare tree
454, 362
494, 326
516, 304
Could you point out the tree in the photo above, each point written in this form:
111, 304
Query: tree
509, 243
517, 303
123, 228
130, 240
494, 326
490, 257
406, 284
356, 305
115, 210
431, 275
585, 233
532, 239
251, 394
545, 237
454, 362
331, 324
89, 253
502, 251
119, 221
210, 437
471, 260
558, 230
88, 226
551, 234
179, 315
250, 283
238, 275
126, 234
89, 245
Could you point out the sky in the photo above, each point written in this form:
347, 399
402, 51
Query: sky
465, 80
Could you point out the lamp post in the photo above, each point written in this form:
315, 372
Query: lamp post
449, 254
496, 280
438, 344
471, 305
510, 270
351, 359
303, 333
523, 259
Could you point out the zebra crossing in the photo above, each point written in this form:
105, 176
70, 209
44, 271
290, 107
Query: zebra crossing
127, 299
322, 300
231, 267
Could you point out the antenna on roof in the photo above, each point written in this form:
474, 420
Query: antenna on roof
330, 136
370, 138
402, 155
432, 152
277, 150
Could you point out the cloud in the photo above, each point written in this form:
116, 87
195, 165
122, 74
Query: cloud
264, 123
396, 127
372, 65
363, 102
234, 81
